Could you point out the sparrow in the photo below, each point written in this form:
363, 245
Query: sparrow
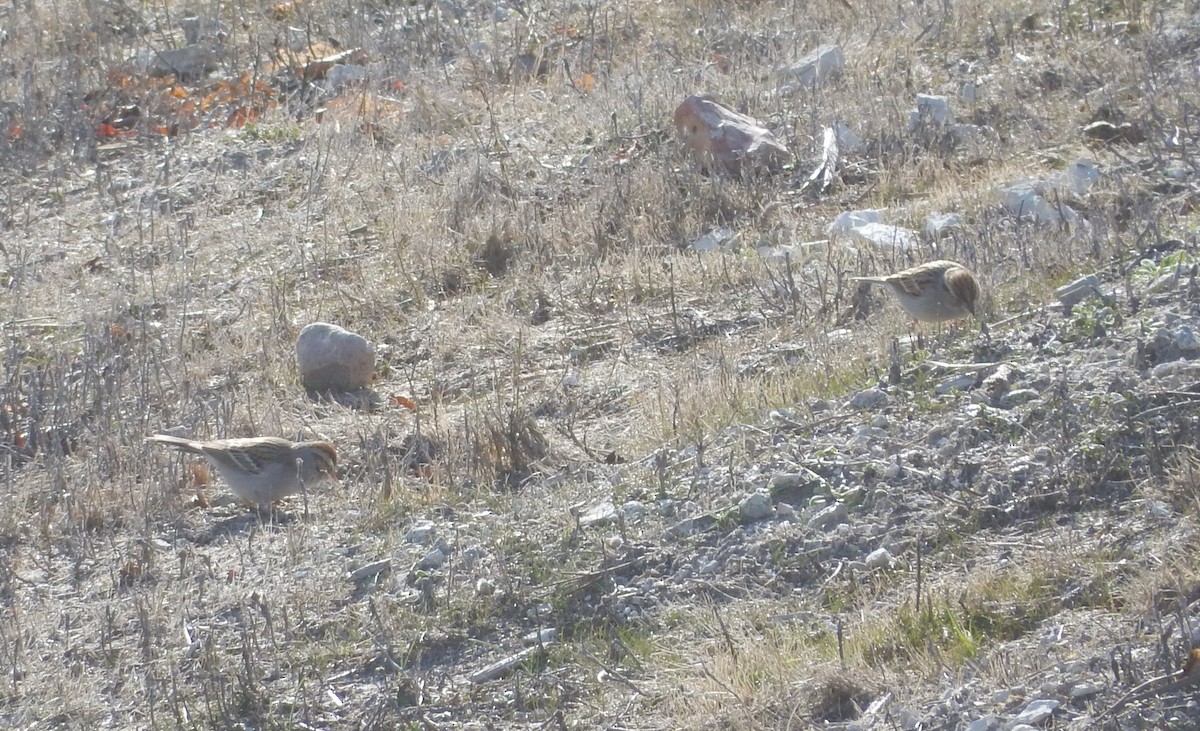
262, 470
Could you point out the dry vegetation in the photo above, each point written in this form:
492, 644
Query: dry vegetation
502, 208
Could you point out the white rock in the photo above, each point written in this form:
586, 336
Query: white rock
828, 517
960, 382
484, 587
1160, 509
969, 91
868, 398
432, 560
885, 235
1073, 293
1083, 690
846, 139
849, 220
1037, 711
938, 225
718, 238
1016, 397
1186, 340
541, 637
472, 554
756, 506
1176, 372
931, 109
1080, 176
331, 358
879, 559
816, 67
600, 514
634, 511
1025, 198
421, 532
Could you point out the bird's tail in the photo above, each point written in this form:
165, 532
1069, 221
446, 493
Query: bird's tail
186, 445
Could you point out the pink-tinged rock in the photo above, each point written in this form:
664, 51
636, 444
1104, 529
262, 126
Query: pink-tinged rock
716, 133
331, 358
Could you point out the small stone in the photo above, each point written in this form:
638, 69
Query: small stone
484, 587
938, 225
756, 506
880, 422
1073, 293
432, 560
816, 67
880, 558
982, 724
472, 554
1160, 509
850, 220
371, 570
600, 514
931, 110
718, 238
1186, 340
1176, 372
960, 382
828, 517
331, 358
540, 637
1084, 690
794, 487
1037, 711
1017, 397
633, 511
691, 526
421, 532
885, 236
869, 398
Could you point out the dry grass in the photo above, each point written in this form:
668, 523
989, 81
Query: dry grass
517, 248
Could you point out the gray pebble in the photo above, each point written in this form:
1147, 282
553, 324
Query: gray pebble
869, 398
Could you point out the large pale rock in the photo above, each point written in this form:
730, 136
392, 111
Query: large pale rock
331, 358
815, 68
717, 133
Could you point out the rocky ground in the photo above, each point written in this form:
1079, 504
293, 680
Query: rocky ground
639, 452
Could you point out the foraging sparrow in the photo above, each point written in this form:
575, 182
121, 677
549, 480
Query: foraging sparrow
262, 470
934, 292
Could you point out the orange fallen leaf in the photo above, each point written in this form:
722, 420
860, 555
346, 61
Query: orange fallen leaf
404, 401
